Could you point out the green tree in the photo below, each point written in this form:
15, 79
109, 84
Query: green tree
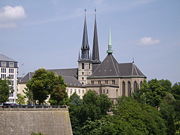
4, 90
143, 118
29, 95
20, 99
75, 104
92, 107
58, 93
44, 84
151, 92
176, 93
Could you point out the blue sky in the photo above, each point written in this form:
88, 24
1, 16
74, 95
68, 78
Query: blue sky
48, 33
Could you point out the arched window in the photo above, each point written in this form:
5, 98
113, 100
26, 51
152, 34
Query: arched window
123, 88
141, 84
135, 86
129, 88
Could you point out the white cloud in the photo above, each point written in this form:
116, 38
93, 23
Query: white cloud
9, 15
148, 41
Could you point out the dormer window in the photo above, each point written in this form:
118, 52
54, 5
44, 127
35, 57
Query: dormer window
11, 64
3, 64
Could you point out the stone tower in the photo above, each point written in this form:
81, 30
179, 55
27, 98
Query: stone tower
84, 61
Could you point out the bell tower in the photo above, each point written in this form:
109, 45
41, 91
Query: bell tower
84, 60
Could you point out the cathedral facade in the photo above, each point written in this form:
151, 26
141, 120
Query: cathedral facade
107, 77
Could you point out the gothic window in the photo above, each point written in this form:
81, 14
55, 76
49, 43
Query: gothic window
104, 91
89, 66
140, 84
135, 86
129, 88
82, 73
82, 65
82, 78
123, 88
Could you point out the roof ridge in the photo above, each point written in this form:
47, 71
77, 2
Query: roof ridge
136, 70
114, 65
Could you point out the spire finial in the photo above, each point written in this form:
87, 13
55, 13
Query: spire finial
109, 51
85, 10
133, 60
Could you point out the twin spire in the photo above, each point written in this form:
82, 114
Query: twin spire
85, 45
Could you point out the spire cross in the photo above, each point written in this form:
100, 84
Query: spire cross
109, 51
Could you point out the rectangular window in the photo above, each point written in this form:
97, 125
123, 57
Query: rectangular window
99, 82
92, 82
11, 64
11, 76
11, 70
82, 65
3, 70
113, 81
106, 81
3, 76
3, 64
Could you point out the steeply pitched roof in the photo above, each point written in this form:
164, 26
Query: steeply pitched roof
5, 58
111, 68
85, 44
95, 51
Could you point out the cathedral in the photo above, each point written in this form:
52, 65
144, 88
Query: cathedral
104, 77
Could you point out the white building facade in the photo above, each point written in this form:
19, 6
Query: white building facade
9, 71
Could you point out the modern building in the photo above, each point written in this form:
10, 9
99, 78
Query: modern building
107, 77
9, 70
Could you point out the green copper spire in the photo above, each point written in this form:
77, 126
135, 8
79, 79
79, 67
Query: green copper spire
109, 51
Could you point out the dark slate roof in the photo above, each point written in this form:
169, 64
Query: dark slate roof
69, 75
95, 51
5, 58
71, 81
26, 78
111, 68
66, 72
85, 44
94, 66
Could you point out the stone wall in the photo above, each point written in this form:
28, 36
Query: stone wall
24, 121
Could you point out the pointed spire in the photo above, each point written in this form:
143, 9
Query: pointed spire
109, 51
85, 44
95, 51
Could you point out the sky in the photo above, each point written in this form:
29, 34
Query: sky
48, 33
